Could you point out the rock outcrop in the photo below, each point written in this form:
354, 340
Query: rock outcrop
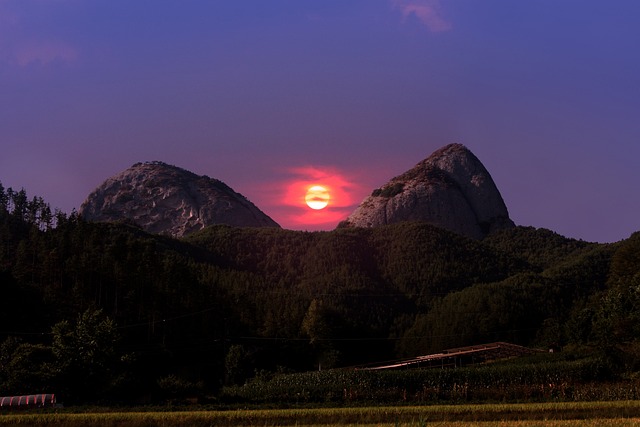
450, 189
166, 199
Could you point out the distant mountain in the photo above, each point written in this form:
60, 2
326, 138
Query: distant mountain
450, 189
166, 199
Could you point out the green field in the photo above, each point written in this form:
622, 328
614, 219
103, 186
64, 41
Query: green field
626, 413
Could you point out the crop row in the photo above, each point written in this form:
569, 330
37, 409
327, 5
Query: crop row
565, 380
547, 414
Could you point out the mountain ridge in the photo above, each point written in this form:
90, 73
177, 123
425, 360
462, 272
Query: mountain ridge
451, 189
167, 199
264, 299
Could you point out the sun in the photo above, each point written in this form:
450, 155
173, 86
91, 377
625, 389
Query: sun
317, 197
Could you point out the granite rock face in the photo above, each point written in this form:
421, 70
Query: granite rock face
166, 199
450, 189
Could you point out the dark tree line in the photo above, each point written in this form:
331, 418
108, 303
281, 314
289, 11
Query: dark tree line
33, 211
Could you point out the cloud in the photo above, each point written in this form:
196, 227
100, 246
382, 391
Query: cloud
339, 185
43, 52
427, 11
23, 44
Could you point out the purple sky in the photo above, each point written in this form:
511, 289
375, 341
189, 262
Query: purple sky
268, 95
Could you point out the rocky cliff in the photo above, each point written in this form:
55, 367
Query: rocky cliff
169, 200
450, 189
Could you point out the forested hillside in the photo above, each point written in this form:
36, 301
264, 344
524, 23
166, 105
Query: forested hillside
107, 312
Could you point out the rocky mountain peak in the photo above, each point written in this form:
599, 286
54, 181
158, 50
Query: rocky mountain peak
451, 189
166, 199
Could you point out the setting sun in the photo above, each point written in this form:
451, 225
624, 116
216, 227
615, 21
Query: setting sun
317, 197
314, 198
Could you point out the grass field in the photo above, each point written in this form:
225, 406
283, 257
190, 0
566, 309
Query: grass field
625, 413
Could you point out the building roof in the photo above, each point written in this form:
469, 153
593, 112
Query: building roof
458, 356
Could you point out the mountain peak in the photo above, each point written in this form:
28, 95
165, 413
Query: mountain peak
451, 189
167, 199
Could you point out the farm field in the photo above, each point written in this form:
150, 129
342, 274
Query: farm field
625, 413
